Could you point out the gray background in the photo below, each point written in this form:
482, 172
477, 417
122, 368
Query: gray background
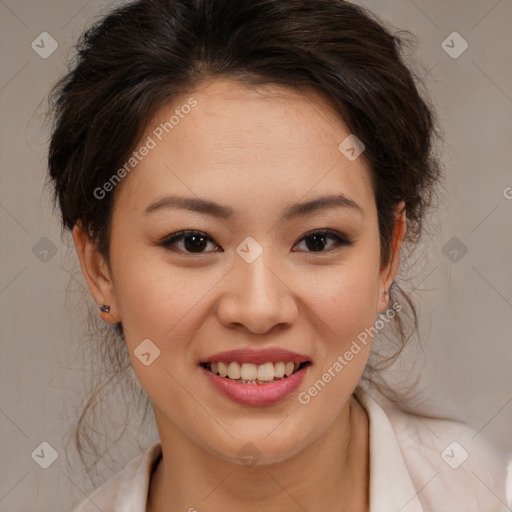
466, 305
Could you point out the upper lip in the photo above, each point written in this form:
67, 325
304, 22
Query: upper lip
254, 356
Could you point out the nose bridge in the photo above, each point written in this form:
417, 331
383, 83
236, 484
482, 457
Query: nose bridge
257, 297
260, 282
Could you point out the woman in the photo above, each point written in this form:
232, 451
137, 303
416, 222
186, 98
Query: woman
241, 179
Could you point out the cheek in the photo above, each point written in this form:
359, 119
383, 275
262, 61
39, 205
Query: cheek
345, 303
155, 299
345, 299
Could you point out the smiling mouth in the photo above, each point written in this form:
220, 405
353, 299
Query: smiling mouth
250, 373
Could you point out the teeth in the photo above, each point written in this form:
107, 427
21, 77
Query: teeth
279, 369
223, 370
234, 371
266, 371
250, 373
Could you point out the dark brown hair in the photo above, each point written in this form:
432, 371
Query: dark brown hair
145, 53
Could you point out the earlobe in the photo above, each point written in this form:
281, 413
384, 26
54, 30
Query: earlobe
96, 274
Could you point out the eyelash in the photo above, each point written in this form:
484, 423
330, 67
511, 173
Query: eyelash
168, 242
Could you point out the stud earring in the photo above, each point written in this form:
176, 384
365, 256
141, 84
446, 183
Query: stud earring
104, 308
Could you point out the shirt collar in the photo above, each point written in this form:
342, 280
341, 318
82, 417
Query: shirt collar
133, 490
391, 487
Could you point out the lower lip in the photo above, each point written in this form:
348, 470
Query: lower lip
256, 394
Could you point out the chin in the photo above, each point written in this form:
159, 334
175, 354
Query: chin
255, 446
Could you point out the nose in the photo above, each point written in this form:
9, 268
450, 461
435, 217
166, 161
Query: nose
256, 298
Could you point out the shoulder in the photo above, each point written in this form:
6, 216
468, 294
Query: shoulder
452, 466
126, 490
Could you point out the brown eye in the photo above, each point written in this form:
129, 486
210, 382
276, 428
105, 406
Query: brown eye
316, 241
194, 242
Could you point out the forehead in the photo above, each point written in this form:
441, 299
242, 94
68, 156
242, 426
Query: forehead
238, 140
267, 117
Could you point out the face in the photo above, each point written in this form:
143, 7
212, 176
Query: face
252, 276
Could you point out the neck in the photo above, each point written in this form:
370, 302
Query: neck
333, 470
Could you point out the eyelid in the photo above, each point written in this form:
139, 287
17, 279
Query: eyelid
167, 241
341, 240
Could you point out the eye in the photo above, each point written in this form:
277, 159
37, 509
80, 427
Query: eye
318, 240
193, 242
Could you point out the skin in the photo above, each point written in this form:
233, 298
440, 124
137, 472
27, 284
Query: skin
257, 151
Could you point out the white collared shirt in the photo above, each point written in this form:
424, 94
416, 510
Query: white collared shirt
417, 464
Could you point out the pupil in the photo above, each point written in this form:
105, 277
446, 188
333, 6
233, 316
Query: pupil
198, 242
318, 242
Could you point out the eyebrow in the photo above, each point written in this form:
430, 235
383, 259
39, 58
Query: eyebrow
225, 212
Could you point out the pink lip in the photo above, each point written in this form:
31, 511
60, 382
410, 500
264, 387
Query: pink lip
256, 394
272, 355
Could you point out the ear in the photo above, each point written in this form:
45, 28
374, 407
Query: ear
388, 271
96, 273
